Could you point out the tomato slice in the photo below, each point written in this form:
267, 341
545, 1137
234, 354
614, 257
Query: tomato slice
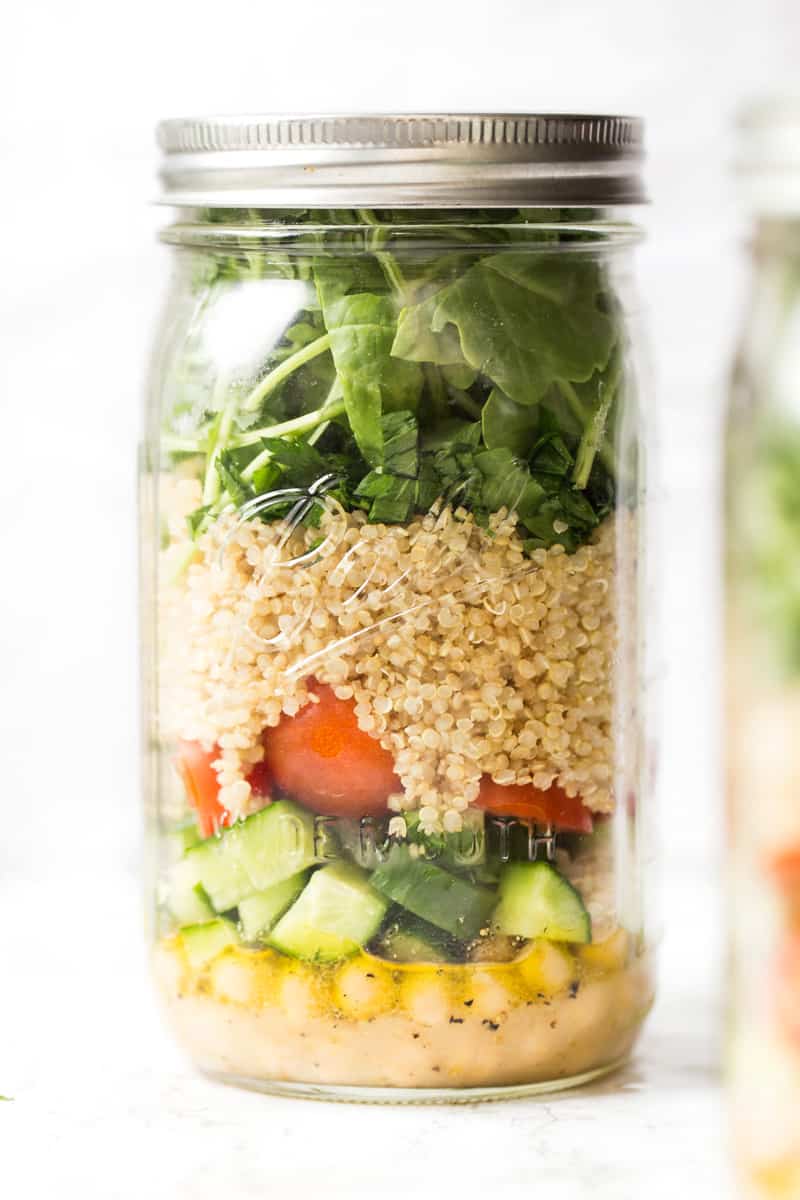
202, 786
321, 758
528, 803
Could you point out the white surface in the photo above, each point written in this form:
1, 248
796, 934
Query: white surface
102, 1107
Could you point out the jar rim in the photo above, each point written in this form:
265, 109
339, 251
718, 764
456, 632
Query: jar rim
415, 160
258, 230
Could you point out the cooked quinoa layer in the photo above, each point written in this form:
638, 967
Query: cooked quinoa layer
464, 656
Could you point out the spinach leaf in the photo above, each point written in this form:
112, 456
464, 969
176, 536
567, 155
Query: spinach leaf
401, 486
506, 423
300, 463
395, 499
568, 514
523, 320
452, 432
460, 376
507, 483
418, 340
362, 329
454, 465
400, 444
551, 458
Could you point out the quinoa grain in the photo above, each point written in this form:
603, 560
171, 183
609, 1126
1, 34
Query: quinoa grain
463, 656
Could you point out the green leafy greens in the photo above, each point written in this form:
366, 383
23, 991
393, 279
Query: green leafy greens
476, 370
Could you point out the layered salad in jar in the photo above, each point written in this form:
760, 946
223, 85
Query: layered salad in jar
389, 654
763, 785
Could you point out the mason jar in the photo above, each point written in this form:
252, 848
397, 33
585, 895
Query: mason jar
763, 669
396, 638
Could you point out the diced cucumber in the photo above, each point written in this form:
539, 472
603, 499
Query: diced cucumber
537, 902
488, 872
410, 940
259, 912
428, 891
186, 898
180, 838
336, 913
206, 941
271, 845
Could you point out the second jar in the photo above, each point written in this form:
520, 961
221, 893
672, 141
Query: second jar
396, 652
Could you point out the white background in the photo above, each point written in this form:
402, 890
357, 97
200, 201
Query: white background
82, 85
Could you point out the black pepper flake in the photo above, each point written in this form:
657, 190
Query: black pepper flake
493, 1025
553, 1024
468, 1003
415, 1035
573, 988
456, 1020
370, 975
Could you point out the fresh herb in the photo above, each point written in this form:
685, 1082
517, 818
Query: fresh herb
470, 368
398, 487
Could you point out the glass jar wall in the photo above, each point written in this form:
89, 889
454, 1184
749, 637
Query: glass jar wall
394, 530
763, 697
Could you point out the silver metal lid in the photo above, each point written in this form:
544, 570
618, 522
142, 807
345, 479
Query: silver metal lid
768, 158
455, 160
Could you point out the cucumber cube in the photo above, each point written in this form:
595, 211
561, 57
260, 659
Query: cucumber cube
259, 912
180, 838
336, 913
186, 899
433, 894
537, 902
410, 940
204, 942
272, 844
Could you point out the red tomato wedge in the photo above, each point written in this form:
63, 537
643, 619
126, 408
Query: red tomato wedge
523, 800
322, 759
260, 780
202, 786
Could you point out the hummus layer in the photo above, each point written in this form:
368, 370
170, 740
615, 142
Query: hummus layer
257, 1016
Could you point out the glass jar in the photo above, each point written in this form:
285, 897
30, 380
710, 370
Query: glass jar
394, 527
763, 672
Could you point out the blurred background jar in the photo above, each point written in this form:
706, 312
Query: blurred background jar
762, 485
